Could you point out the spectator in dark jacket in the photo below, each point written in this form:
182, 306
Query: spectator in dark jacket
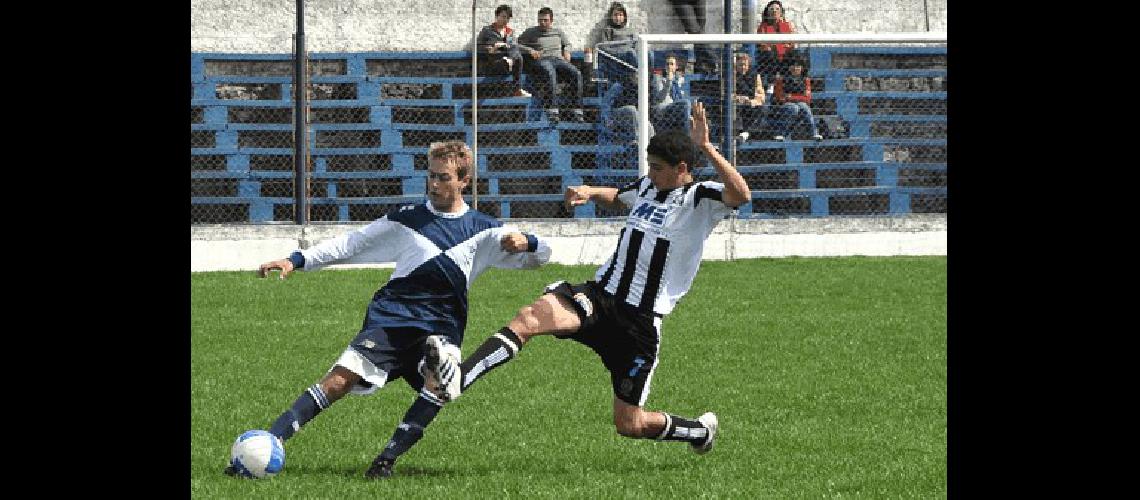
793, 97
751, 111
498, 52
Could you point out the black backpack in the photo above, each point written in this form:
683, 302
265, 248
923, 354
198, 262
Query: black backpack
832, 127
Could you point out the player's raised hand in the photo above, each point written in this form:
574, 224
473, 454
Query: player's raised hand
513, 243
699, 129
284, 265
577, 195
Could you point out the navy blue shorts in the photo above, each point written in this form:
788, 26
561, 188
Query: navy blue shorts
397, 351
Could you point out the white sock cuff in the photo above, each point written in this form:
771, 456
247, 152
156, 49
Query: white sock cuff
668, 423
510, 345
430, 397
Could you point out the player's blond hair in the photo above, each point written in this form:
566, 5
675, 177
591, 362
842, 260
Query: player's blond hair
456, 151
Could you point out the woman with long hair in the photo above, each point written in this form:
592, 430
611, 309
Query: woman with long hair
770, 56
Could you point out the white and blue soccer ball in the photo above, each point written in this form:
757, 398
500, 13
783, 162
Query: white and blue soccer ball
257, 454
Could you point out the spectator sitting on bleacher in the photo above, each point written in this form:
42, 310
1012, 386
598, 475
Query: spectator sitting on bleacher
621, 119
620, 126
549, 49
770, 56
692, 15
793, 96
751, 113
498, 52
671, 107
615, 29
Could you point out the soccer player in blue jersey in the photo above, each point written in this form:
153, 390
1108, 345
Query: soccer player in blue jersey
618, 314
439, 246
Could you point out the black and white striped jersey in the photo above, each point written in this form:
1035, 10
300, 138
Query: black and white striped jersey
659, 249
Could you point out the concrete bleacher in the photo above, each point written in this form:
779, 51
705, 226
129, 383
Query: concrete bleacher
893, 101
373, 114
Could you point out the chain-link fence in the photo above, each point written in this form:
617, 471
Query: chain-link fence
871, 140
819, 129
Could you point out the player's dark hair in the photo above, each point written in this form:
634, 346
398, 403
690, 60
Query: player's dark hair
502, 8
546, 10
674, 147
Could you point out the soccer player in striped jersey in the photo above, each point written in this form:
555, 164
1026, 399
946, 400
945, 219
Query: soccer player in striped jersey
439, 246
619, 313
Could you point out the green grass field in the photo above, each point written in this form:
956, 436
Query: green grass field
828, 376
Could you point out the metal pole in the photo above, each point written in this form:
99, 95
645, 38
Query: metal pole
748, 13
300, 136
474, 113
748, 24
728, 76
926, 13
642, 106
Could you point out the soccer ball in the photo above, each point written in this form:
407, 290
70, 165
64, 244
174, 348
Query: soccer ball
257, 454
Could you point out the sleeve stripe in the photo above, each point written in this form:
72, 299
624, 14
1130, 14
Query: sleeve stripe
706, 192
648, 185
629, 187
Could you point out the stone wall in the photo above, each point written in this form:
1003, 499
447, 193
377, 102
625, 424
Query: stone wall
244, 247
267, 26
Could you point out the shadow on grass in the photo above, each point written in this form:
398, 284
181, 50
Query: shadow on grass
400, 471
472, 470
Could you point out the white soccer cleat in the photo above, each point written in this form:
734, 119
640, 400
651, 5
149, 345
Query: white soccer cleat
709, 420
441, 368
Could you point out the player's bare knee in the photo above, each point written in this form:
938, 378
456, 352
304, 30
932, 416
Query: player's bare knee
629, 428
534, 316
338, 382
524, 323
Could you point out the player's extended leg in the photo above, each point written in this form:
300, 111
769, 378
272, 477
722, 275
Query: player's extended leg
315, 399
550, 314
407, 433
634, 422
335, 384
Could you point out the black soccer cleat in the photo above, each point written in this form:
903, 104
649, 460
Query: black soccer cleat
381, 468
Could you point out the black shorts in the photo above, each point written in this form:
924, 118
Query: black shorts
626, 339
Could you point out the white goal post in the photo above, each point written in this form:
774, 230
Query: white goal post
644, 40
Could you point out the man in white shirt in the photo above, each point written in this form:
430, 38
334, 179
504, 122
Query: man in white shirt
619, 313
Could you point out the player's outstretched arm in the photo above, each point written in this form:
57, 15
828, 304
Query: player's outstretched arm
522, 251
736, 190
580, 195
283, 265
514, 242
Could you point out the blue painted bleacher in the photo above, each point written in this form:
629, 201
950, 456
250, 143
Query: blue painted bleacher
367, 142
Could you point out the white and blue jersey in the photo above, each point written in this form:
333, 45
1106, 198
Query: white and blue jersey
437, 256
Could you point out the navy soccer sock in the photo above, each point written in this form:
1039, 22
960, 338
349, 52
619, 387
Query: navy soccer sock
307, 406
683, 429
411, 429
496, 350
